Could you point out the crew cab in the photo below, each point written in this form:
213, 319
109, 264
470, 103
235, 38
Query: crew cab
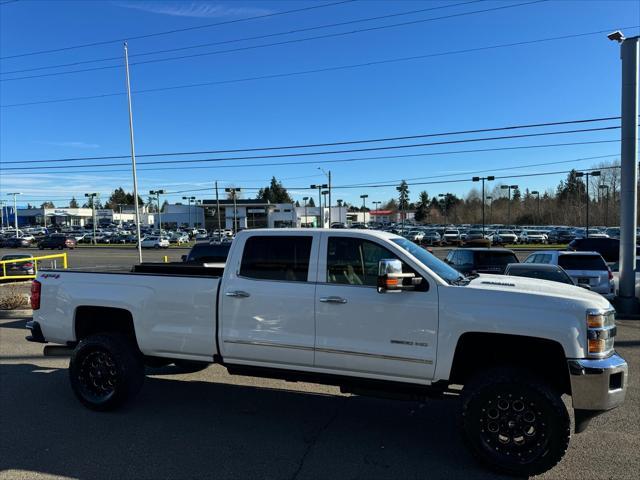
369, 311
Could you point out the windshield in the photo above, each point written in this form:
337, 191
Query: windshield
429, 260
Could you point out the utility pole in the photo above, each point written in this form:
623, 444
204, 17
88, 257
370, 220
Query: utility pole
509, 187
15, 211
133, 154
537, 193
93, 196
629, 53
157, 194
587, 175
477, 179
234, 194
320, 187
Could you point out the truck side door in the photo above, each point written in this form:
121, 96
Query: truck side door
362, 332
267, 300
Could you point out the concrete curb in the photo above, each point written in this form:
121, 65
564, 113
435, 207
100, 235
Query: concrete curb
21, 313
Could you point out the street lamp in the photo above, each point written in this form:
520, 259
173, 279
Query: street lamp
328, 174
490, 198
509, 187
340, 203
234, 194
189, 199
376, 205
2, 203
587, 175
305, 208
15, 211
320, 187
477, 179
444, 205
606, 205
324, 196
157, 194
537, 193
93, 211
364, 207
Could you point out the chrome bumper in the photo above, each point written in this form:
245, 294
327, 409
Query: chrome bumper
598, 384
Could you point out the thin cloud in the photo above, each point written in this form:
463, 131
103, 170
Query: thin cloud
195, 9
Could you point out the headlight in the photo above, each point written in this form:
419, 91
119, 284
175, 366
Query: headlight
601, 331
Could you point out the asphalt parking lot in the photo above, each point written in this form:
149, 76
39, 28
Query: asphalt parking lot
212, 425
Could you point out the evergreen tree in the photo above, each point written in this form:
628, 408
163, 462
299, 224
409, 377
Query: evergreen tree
274, 193
73, 203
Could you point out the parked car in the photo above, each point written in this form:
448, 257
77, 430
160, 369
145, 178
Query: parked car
18, 268
367, 311
609, 248
451, 235
533, 236
57, 241
16, 242
502, 237
208, 253
541, 271
481, 260
154, 242
415, 235
586, 268
478, 238
431, 237
615, 270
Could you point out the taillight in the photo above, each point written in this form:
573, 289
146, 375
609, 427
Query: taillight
28, 264
35, 294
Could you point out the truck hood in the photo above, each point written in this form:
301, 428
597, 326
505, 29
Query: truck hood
531, 286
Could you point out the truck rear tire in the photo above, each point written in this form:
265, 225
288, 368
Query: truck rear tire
514, 423
106, 371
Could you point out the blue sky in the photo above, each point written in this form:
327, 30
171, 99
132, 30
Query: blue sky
548, 81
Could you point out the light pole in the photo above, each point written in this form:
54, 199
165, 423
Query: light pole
444, 205
324, 196
477, 179
509, 187
15, 211
2, 203
340, 204
364, 207
93, 196
328, 174
587, 175
320, 187
376, 205
189, 199
606, 204
537, 193
490, 198
305, 209
157, 194
234, 194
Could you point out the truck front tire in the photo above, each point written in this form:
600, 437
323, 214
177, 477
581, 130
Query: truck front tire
514, 423
105, 371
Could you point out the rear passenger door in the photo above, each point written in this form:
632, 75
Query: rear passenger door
267, 301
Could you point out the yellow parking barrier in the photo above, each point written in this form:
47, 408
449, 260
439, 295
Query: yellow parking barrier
34, 260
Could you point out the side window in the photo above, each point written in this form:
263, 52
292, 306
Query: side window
530, 259
276, 258
465, 257
544, 258
353, 261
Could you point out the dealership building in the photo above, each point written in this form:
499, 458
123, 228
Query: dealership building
75, 217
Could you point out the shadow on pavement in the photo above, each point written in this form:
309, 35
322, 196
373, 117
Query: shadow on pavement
188, 429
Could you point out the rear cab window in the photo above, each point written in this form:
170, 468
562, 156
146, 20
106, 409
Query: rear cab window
582, 262
284, 258
495, 258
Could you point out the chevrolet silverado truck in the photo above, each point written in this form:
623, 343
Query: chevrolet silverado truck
370, 312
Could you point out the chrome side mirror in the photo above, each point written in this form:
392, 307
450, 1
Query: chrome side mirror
390, 276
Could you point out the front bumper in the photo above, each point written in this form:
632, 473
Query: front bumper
598, 384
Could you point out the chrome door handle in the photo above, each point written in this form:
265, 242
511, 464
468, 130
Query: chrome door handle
333, 300
237, 293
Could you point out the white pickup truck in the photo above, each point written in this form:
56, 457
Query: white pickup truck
368, 311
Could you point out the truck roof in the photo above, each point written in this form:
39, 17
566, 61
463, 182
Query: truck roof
332, 231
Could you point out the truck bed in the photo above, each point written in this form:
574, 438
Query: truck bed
181, 268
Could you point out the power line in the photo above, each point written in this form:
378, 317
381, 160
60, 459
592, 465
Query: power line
316, 70
177, 30
257, 37
328, 152
318, 162
325, 144
284, 42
